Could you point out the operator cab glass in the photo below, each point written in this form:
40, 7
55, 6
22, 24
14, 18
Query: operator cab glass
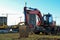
44, 18
50, 19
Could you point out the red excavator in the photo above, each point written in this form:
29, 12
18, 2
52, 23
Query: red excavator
39, 23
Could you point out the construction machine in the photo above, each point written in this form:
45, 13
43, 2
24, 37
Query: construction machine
3, 26
45, 23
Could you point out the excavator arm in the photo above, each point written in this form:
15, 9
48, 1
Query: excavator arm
32, 11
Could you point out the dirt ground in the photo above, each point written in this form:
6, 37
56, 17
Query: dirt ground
15, 36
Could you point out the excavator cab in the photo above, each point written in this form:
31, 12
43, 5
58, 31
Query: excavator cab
47, 20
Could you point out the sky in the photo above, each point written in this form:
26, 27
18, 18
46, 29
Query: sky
14, 9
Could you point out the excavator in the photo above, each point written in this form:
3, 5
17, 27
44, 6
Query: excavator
39, 23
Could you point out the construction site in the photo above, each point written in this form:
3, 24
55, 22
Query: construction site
36, 26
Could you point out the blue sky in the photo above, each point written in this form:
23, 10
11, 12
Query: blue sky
16, 7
